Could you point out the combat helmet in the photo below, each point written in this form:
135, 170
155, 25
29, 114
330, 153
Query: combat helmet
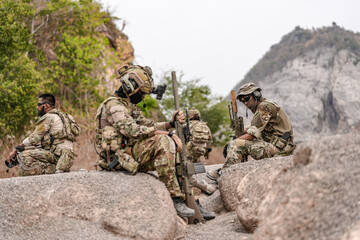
193, 113
136, 78
248, 89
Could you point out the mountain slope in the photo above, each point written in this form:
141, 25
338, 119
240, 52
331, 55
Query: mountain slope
314, 75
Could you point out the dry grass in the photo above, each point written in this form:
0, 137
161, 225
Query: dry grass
6, 147
84, 148
87, 157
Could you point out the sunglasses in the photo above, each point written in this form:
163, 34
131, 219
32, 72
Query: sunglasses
39, 104
244, 99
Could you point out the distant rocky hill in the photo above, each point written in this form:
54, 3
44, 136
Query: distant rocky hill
314, 74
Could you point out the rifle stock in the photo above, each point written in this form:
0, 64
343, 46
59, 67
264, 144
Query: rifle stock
184, 169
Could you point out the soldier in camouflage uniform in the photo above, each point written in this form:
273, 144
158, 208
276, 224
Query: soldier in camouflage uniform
128, 141
49, 148
200, 139
199, 145
269, 134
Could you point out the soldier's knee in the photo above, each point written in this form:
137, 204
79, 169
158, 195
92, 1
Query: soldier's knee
23, 171
167, 143
240, 142
258, 153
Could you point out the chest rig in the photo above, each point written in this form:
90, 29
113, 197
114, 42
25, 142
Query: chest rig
107, 136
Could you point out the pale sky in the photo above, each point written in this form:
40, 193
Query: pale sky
220, 41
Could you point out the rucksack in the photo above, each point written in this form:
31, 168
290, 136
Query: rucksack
200, 132
70, 129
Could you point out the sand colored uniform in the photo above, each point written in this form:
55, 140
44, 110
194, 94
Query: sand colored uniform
269, 124
50, 146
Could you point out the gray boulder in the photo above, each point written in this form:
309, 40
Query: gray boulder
317, 198
86, 205
254, 187
230, 180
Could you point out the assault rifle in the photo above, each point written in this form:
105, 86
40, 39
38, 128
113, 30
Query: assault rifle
185, 169
236, 122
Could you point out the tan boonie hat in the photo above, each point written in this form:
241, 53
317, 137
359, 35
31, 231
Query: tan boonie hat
247, 89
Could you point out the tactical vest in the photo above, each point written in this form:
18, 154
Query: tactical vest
111, 142
69, 131
280, 125
107, 136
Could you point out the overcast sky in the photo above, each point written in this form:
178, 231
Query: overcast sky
219, 41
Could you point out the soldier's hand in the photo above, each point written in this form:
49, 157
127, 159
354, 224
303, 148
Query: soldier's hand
180, 116
12, 154
178, 142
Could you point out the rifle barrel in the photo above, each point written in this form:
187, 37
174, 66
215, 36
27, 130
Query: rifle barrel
175, 90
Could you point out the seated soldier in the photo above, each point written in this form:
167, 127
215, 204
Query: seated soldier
128, 141
49, 148
270, 133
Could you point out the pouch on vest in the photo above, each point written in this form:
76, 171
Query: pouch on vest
111, 138
280, 143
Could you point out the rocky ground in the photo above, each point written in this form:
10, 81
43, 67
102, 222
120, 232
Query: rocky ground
224, 226
313, 194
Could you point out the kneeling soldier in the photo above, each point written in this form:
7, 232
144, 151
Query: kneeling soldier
49, 148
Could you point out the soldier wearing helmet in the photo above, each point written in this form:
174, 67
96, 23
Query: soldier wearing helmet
270, 132
199, 145
128, 141
200, 139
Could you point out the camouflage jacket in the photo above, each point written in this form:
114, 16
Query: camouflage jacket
48, 131
270, 121
117, 119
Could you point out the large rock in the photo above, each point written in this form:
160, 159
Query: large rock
86, 205
213, 202
230, 180
255, 185
317, 198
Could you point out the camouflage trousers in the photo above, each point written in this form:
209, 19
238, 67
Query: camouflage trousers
194, 152
158, 153
238, 151
36, 162
150, 154
40, 161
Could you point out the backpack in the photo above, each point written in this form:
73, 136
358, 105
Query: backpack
200, 132
70, 129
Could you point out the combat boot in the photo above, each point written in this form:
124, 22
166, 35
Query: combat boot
206, 214
210, 188
214, 175
181, 208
